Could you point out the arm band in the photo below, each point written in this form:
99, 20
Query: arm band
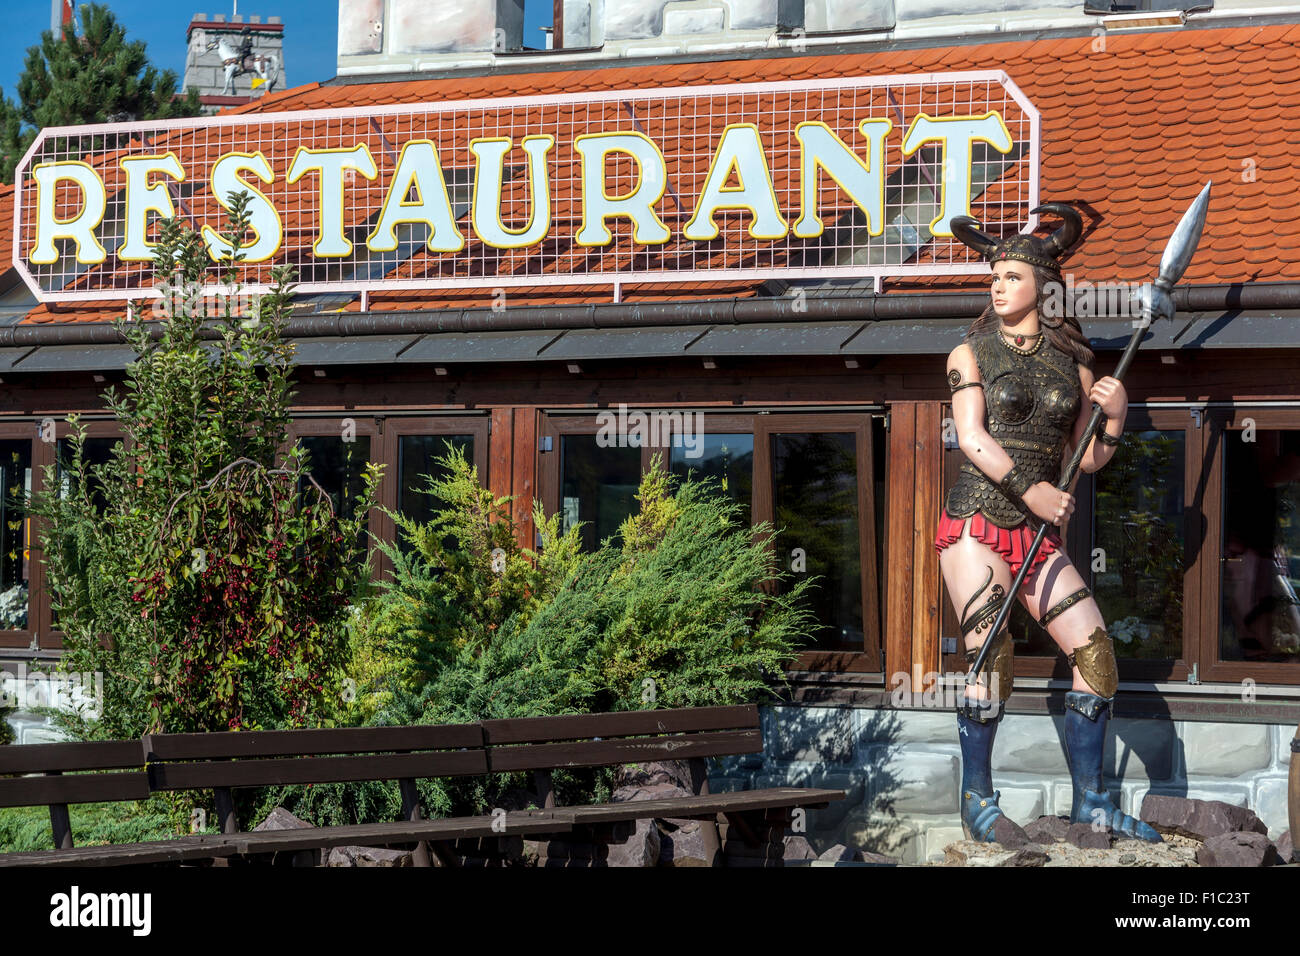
1106, 439
1014, 483
969, 385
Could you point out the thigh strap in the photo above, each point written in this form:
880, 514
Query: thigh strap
1063, 605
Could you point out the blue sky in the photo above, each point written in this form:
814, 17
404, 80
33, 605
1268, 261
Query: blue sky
310, 32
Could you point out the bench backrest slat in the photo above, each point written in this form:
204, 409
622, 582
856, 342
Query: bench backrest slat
76, 788
523, 730
263, 773
292, 743
597, 753
93, 755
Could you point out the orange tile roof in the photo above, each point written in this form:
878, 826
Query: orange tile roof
1129, 135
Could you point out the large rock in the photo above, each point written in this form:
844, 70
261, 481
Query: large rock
879, 859
1237, 849
840, 853
648, 791
1085, 837
1048, 829
640, 849
798, 848
368, 856
1201, 819
676, 772
682, 843
1286, 848
970, 853
281, 819
1031, 854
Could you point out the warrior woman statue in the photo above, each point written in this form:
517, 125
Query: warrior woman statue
1022, 387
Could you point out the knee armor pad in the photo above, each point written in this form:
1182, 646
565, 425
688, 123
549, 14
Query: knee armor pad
1096, 662
1000, 663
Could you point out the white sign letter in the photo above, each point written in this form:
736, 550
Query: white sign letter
956, 133
637, 205
418, 168
143, 198
81, 227
330, 163
740, 149
485, 204
863, 182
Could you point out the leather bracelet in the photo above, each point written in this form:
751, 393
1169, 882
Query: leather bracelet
1109, 440
1015, 483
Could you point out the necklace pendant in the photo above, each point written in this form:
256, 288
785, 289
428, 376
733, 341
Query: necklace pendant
1020, 340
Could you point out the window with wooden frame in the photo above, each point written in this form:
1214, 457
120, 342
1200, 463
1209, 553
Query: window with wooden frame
21, 573
407, 446
37, 443
1249, 615
1132, 538
813, 475
411, 449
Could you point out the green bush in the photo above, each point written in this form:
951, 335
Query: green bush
669, 612
205, 580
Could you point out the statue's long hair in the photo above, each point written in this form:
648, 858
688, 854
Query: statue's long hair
1064, 331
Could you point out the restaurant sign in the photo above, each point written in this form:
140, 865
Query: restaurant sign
852, 177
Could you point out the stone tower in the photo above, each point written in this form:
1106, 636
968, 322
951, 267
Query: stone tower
256, 50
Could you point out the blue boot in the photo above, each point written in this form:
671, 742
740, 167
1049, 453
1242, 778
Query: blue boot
981, 817
1086, 717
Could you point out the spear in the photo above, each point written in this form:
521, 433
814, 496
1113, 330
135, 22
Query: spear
1156, 303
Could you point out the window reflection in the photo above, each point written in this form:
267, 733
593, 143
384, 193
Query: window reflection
15, 527
727, 458
597, 486
1259, 616
1138, 518
416, 463
815, 488
95, 452
337, 466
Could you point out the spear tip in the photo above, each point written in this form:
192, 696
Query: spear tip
1186, 237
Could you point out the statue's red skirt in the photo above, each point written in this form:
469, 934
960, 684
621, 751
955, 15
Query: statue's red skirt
1012, 543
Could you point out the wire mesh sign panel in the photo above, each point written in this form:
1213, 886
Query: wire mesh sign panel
852, 177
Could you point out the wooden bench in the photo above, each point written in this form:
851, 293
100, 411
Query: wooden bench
62, 782
743, 828
738, 829
224, 761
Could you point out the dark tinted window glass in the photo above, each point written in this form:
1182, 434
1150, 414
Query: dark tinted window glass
728, 458
337, 466
15, 529
416, 456
1259, 617
1138, 521
815, 483
597, 486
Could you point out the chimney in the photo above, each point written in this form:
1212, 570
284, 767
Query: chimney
406, 35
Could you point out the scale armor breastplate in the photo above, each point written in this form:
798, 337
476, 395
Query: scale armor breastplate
1031, 403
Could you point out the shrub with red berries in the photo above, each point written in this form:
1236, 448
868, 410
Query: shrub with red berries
202, 572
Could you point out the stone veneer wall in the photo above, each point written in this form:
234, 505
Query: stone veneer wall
902, 770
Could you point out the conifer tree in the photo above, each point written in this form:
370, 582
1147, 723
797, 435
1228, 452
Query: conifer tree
94, 75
